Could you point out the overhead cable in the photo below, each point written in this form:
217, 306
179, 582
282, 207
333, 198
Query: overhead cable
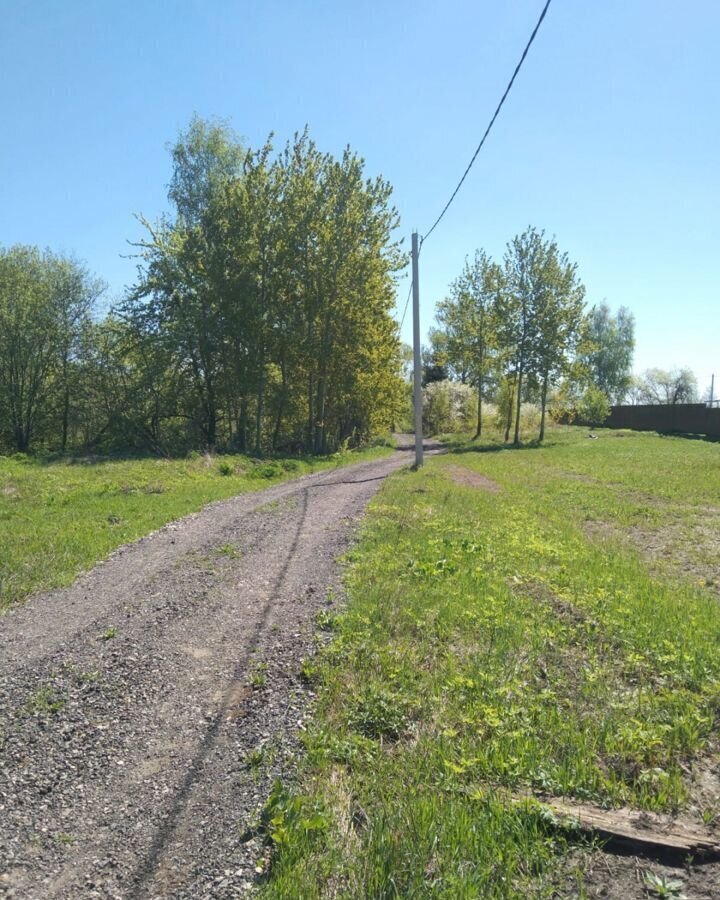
406, 305
492, 122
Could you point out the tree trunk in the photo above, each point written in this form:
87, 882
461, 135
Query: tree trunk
543, 404
22, 440
478, 431
516, 440
311, 412
211, 427
281, 406
65, 418
325, 345
319, 446
242, 425
260, 409
210, 415
230, 420
511, 407
259, 413
278, 423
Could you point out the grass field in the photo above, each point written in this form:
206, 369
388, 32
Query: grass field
58, 518
535, 621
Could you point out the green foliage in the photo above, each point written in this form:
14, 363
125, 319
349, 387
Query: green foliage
658, 386
562, 406
270, 295
594, 406
513, 330
45, 305
261, 319
447, 406
285, 815
44, 702
541, 314
607, 350
660, 886
469, 325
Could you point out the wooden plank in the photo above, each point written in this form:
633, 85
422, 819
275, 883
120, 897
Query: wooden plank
638, 828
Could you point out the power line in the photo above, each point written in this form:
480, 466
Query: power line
406, 305
492, 122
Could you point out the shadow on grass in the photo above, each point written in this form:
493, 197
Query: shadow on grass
612, 431
500, 448
99, 459
705, 438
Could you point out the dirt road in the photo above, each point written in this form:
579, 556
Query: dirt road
145, 711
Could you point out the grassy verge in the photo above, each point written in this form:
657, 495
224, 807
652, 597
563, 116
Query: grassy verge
58, 518
494, 648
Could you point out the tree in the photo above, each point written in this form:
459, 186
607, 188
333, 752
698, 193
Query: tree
468, 324
634, 393
271, 289
176, 301
206, 157
434, 359
608, 353
541, 310
76, 293
45, 303
261, 317
557, 314
663, 387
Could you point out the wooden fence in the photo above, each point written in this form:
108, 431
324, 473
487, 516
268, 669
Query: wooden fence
683, 418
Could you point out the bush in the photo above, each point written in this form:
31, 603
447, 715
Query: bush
594, 406
266, 470
447, 406
563, 403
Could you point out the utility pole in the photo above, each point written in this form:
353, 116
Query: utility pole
712, 389
417, 371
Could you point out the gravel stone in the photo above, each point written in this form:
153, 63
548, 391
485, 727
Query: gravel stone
146, 710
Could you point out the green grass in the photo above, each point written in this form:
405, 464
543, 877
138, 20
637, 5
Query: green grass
494, 649
59, 518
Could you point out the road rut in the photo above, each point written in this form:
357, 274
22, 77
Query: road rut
145, 711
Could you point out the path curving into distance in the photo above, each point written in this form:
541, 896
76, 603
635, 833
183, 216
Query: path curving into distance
146, 709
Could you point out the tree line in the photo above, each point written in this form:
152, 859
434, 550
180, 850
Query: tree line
260, 319
519, 330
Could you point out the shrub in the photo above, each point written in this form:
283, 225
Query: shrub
447, 406
594, 406
266, 470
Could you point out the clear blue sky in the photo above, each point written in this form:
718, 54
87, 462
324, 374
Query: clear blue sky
609, 139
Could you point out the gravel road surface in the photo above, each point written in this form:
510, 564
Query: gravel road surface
146, 710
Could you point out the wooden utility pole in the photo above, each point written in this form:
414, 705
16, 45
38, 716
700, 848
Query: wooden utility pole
417, 370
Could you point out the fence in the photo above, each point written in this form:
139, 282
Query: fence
686, 418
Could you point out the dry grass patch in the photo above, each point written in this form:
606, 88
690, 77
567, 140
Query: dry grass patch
471, 478
685, 547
